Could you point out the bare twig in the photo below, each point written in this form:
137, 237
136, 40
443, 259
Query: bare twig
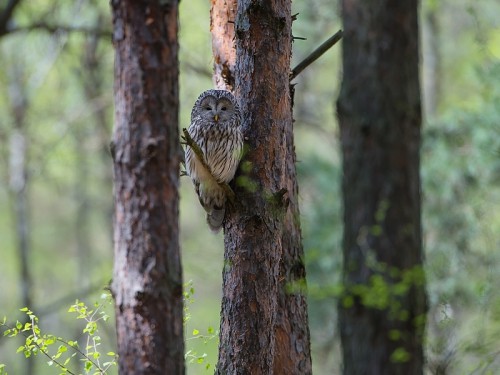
197, 68
201, 158
6, 15
70, 298
53, 28
316, 54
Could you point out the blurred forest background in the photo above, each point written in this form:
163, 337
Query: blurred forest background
56, 116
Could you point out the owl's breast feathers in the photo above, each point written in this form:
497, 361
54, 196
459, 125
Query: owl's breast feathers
221, 146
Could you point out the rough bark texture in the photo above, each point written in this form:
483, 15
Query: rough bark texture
382, 313
263, 325
293, 347
222, 17
147, 277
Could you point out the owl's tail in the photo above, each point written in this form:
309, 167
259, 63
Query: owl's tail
213, 199
215, 218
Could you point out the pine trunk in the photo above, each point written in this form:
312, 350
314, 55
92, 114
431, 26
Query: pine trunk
147, 282
264, 311
222, 18
382, 312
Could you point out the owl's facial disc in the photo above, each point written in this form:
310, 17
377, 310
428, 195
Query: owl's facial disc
224, 110
209, 107
217, 109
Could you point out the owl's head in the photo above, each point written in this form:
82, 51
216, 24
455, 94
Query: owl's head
216, 106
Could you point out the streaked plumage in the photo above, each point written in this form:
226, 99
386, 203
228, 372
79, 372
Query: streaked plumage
216, 128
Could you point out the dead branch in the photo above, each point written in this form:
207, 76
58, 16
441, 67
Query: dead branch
315, 54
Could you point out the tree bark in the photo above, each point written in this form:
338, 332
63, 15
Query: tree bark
222, 18
147, 281
264, 315
382, 312
293, 347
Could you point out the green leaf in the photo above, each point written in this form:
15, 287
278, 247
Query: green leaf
73, 344
88, 366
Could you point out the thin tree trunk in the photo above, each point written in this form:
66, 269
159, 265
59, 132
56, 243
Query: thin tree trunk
264, 319
19, 191
82, 237
382, 313
432, 63
93, 79
147, 276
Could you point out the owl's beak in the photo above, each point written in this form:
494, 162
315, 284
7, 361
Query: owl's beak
216, 118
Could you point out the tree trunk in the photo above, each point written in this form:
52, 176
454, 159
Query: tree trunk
19, 183
293, 347
264, 314
382, 312
222, 18
147, 275
432, 71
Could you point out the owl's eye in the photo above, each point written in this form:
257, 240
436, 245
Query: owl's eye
208, 108
224, 109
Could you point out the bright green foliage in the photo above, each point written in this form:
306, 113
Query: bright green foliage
59, 351
211, 335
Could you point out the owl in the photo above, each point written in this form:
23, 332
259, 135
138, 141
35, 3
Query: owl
216, 129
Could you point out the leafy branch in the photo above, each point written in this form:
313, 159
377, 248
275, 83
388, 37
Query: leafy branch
37, 342
191, 356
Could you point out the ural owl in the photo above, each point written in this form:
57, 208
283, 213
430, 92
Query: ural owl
216, 129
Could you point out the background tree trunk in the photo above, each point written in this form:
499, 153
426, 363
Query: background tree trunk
147, 277
382, 313
432, 69
264, 315
19, 184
